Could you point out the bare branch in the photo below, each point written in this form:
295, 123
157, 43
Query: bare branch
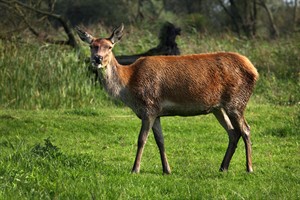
65, 24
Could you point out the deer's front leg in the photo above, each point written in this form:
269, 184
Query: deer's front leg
146, 126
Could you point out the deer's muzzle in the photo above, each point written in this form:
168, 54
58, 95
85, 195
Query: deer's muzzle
97, 61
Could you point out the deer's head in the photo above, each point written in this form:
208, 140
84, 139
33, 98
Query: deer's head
101, 48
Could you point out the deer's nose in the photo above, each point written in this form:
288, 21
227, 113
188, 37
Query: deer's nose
98, 59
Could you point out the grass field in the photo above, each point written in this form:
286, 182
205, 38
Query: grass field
89, 154
61, 137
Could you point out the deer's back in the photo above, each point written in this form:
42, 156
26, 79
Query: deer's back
207, 80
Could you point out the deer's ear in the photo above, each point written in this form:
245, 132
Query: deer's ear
117, 34
84, 36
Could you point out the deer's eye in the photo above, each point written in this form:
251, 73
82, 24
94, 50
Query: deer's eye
108, 47
94, 47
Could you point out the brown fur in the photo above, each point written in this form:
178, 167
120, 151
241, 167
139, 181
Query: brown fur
217, 80
219, 83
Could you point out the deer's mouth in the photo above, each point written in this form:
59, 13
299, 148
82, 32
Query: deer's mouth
97, 61
96, 64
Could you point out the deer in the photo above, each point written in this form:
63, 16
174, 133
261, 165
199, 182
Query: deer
220, 83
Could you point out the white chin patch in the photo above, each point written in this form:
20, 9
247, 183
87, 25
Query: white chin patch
96, 65
99, 66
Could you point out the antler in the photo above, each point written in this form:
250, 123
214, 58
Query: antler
84, 35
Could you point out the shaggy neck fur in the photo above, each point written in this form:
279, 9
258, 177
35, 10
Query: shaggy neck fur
113, 80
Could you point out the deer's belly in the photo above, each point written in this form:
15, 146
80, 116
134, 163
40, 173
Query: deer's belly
169, 108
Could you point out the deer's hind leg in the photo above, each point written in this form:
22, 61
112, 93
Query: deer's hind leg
233, 135
240, 125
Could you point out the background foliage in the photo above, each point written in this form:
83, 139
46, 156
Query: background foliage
249, 18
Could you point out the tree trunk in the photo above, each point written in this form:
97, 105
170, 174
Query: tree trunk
254, 17
235, 24
246, 19
273, 29
235, 15
243, 16
295, 16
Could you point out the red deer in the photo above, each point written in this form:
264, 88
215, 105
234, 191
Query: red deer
156, 86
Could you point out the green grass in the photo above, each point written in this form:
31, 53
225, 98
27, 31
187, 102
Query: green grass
40, 77
89, 154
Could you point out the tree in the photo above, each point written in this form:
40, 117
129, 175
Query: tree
295, 15
243, 16
272, 26
26, 13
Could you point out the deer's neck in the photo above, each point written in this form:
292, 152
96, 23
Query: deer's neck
115, 79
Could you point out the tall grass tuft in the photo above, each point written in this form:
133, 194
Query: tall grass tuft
34, 76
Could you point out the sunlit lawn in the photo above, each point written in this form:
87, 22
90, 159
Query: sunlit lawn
93, 152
